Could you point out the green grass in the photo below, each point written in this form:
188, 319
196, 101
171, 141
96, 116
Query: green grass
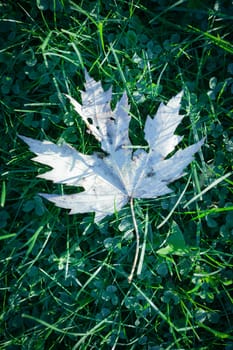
63, 279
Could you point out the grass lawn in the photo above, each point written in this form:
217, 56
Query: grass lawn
63, 278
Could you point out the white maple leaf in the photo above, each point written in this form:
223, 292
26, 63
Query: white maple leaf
123, 173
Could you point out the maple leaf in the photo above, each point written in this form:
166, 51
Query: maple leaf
111, 181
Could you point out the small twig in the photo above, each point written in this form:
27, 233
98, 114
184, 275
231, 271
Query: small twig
130, 278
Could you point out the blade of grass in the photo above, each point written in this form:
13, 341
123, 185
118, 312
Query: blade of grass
218, 41
213, 184
176, 204
3, 194
9, 235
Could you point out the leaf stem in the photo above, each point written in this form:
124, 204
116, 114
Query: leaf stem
130, 278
